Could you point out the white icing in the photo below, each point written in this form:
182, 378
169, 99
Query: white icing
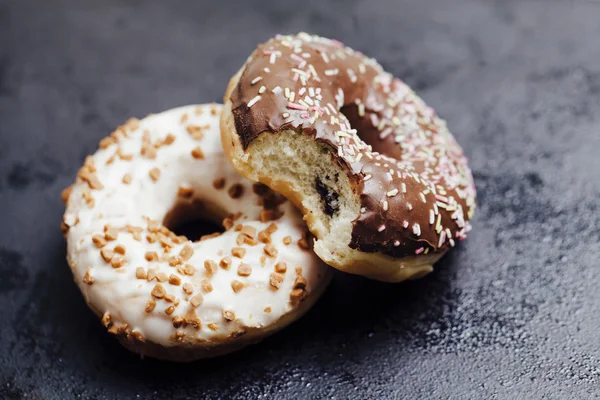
118, 291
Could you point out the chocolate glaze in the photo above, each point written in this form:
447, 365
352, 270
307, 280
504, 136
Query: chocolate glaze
416, 189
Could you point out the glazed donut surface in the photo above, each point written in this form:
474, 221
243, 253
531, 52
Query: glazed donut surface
162, 294
408, 194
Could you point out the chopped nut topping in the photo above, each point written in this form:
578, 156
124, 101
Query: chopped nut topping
219, 183
107, 254
300, 282
151, 256
227, 223
275, 280
264, 237
140, 273
99, 241
174, 280
287, 240
66, 193
281, 267
238, 252
175, 260
87, 278
127, 179
169, 139
154, 226
170, 310
106, 142
213, 326
196, 131
110, 233
197, 153
185, 192
244, 270
188, 288
189, 269
269, 215
151, 274
236, 191
196, 300
120, 249
250, 241
211, 267
237, 286
161, 276
260, 189
137, 335
106, 319
177, 321
210, 236
228, 315
170, 298
249, 231
154, 174
297, 295
272, 228
270, 250
267, 309
225, 262
186, 253
159, 291
303, 244
206, 286
150, 304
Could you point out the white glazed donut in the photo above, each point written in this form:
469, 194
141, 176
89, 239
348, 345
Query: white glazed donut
163, 295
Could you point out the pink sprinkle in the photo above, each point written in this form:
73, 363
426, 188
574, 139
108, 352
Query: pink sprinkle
297, 58
268, 52
381, 228
441, 198
304, 115
296, 106
419, 250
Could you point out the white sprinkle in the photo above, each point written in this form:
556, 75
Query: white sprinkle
256, 80
409, 206
423, 198
361, 110
253, 101
276, 90
392, 193
301, 91
431, 217
385, 205
286, 93
331, 72
285, 114
381, 228
417, 229
403, 186
367, 177
293, 96
405, 224
266, 69
442, 239
308, 100
361, 68
396, 243
262, 89
272, 58
362, 210
311, 91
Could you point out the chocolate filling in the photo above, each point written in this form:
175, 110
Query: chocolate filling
328, 197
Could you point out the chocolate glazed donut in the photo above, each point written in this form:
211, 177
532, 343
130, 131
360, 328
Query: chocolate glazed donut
384, 186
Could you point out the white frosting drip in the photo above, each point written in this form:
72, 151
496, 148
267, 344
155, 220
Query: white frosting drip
118, 291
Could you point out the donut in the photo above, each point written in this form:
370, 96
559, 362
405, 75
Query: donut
161, 294
383, 185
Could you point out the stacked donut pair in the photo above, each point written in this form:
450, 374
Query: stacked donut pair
350, 168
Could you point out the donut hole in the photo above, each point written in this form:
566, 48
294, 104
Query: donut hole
194, 219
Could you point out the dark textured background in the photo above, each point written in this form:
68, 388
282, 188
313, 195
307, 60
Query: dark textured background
512, 313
